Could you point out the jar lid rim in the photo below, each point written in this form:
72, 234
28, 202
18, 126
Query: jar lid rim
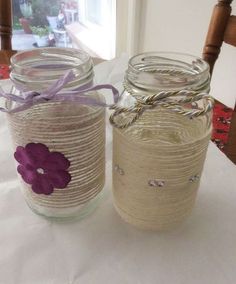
49, 50
167, 70
167, 55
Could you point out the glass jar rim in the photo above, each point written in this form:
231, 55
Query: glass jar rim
40, 51
167, 54
145, 64
38, 64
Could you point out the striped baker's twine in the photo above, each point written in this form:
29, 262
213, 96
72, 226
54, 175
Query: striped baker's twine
171, 100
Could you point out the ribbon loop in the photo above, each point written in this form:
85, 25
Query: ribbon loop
129, 115
56, 93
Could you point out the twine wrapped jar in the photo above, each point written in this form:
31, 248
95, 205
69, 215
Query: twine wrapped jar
59, 144
161, 132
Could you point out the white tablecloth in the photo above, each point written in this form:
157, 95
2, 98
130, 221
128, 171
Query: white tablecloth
103, 249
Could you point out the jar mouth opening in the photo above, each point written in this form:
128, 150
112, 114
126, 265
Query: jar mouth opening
167, 70
48, 64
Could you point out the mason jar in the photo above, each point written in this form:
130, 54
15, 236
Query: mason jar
161, 132
59, 144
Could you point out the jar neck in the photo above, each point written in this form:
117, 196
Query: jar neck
154, 72
38, 69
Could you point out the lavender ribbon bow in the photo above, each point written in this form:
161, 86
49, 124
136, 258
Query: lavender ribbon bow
30, 98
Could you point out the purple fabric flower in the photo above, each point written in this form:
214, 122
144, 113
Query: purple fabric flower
43, 169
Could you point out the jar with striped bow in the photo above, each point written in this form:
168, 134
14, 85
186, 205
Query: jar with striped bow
161, 132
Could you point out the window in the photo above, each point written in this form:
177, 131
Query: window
94, 11
98, 17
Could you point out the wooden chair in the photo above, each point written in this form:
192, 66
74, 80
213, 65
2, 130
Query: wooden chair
222, 28
5, 31
6, 24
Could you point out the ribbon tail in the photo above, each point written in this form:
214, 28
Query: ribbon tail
114, 91
78, 95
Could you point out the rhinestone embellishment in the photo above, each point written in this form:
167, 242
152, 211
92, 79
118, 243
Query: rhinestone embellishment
156, 183
119, 170
194, 178
40, 171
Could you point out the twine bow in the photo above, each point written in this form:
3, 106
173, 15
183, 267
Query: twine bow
175, 101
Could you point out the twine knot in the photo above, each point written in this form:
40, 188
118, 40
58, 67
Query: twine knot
184, 102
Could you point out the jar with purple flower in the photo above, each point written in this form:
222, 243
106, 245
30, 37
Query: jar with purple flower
57, 122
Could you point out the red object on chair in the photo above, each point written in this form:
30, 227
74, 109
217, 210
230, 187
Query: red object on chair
222, 28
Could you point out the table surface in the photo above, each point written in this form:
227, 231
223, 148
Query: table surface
103, 249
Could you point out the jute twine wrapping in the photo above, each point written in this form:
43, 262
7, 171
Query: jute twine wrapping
78, 132
165, 147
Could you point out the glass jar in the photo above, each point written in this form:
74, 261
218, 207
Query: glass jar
161, 134
60, 145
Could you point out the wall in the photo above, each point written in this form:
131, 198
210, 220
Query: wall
181, 25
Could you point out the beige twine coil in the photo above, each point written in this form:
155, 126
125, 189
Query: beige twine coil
175, 160
158, 158
78, 132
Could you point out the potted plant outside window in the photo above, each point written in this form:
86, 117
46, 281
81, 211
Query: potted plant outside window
41, 35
